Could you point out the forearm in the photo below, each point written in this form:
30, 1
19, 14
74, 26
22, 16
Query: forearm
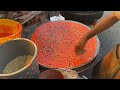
102, 25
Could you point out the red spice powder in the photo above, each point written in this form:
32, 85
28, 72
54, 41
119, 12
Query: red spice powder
56, 43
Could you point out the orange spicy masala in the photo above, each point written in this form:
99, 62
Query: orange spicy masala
56, 44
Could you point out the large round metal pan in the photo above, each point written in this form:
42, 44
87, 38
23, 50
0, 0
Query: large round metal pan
84, 66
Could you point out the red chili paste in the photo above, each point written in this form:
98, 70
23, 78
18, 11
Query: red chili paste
56, 43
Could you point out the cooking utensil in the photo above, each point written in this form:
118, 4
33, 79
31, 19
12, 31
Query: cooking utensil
82, 67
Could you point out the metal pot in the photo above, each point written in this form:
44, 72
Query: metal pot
13, 49
86, 17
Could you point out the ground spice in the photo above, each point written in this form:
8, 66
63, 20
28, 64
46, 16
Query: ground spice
17, 64
56, 43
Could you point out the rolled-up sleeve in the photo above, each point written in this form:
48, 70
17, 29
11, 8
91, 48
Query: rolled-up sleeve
117, 14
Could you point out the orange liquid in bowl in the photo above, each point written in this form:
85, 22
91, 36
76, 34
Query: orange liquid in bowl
5, 34
9, 30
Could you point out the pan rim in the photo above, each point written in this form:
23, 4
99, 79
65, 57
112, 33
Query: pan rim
81, 65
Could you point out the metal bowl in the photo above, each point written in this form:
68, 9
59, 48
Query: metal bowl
13, 49
51, 74
59, 74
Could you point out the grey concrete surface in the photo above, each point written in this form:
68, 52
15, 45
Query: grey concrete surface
108, 39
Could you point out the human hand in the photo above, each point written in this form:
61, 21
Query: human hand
79, 48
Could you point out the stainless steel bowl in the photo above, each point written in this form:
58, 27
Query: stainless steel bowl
13, 49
